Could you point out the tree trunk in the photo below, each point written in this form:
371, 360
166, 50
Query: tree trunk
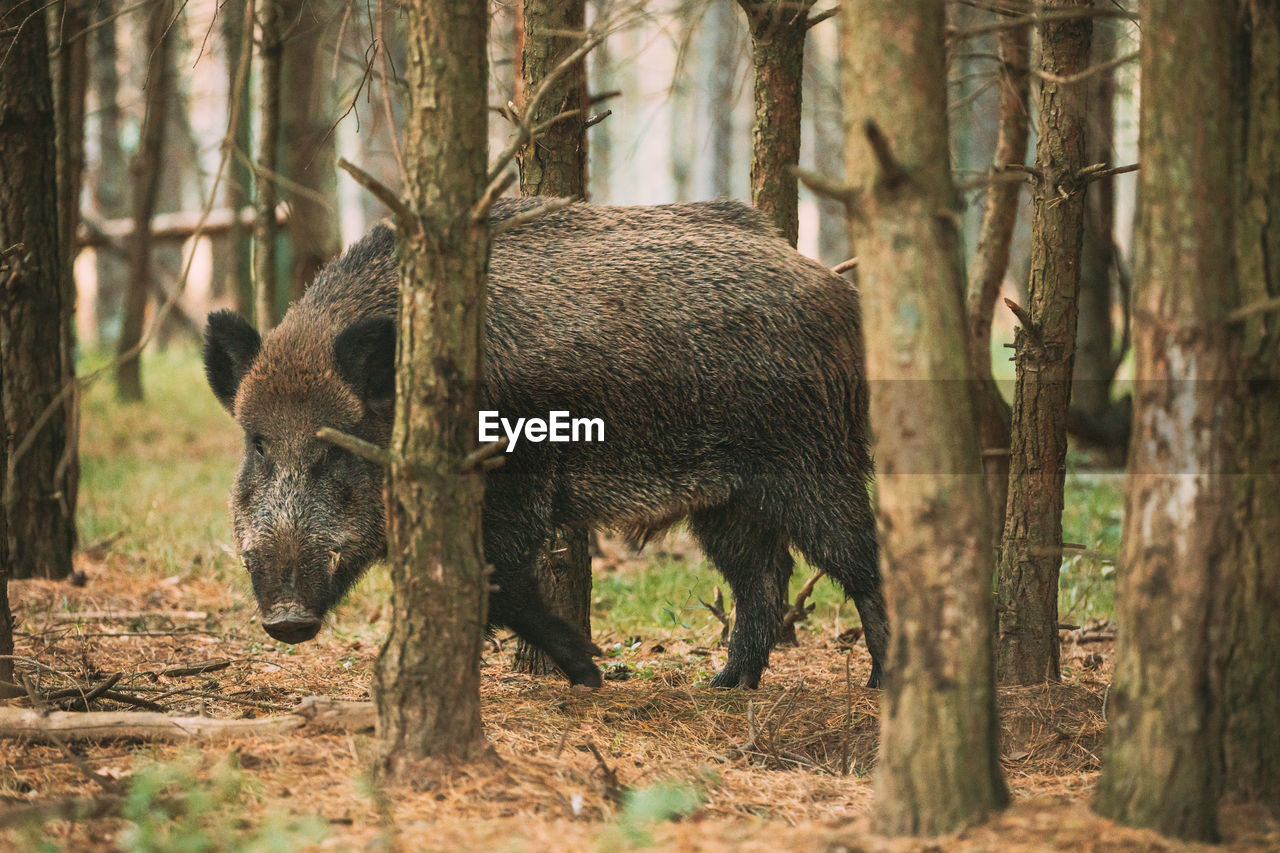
777, 53
1251, 741
108, 177
310, 152
237, 22
991, 263
600, 79
1031, 548
148, 162
556, 165
826, 128
722, 30
1162, 768
39, 475
266, 248
427, 678
1093, 417
939, 765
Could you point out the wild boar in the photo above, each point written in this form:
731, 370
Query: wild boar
726, 368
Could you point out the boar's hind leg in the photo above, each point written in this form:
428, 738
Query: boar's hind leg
748, 551
838, 535
517, 604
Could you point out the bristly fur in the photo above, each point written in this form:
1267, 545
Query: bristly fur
726, 367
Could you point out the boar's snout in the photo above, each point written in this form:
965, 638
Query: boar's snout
291, 624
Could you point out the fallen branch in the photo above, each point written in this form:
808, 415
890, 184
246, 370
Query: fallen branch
126, 615
313, 713
799, 612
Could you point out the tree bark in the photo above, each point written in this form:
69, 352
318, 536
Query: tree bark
1251, 740
1163, 763
237, 18
826, 128
38, 496
146, 168
938, 745
427, 678
556, 165
1031, 547
1094, 418
991, 263
107, 181
266, 246
310, 155
71, 84
777, 53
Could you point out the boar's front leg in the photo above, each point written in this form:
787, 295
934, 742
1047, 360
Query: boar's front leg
516, 603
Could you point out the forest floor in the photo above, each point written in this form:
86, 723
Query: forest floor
654, 759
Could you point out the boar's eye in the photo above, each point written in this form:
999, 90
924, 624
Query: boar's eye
256, 443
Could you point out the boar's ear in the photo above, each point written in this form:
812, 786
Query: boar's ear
230, 346
365, 353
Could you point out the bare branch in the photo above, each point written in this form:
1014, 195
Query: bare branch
819, 185
596, 119
380, 191
487, 453
1261, 307
1045, 17
844, 266
799, 611
526, 216
821, 16
891, 172
1097, 172
358, 446
1087, 73
492, 192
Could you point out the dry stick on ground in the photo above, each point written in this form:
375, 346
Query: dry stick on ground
799, 612
312, 714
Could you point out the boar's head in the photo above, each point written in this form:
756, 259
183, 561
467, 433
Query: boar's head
308, 516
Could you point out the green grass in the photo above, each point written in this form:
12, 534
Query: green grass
157, 474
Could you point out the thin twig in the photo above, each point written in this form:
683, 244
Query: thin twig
1263, 306
379, 190
1091, 176
844, 266
821, 16
1048, 16
474, 461
492, 193
364, 449
824, 187
1067, 80
526, 216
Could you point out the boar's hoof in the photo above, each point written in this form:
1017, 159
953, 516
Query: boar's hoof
730, 677
877, 676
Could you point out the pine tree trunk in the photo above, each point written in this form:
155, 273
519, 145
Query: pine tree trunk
1251, 740
39, 476
107, 182
777, 53
1031, 548
239, 177
556, 165
938, 745
310, 152
1162, 767
266, 244
1093, 418
822, 85
145, 172
427, 678
991, 263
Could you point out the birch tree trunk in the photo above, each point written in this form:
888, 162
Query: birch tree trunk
427, 677
1031, 548
938, 744
38, 494
1163, 761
